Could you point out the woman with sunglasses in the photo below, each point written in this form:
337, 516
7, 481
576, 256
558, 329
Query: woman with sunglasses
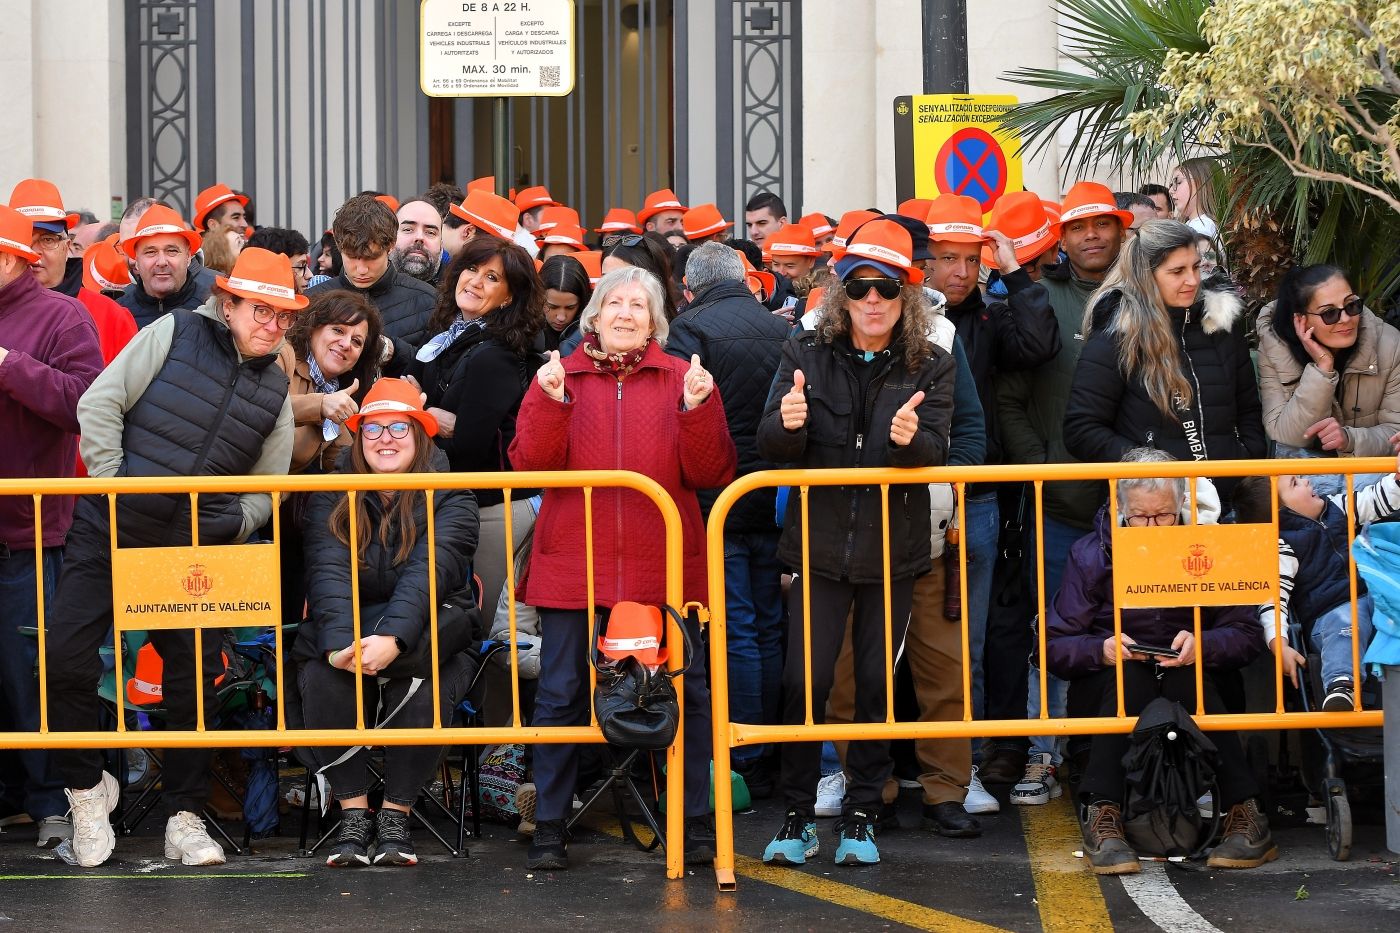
1329, 370
864, 389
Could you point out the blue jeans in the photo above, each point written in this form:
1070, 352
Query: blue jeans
980, 541
19, 684
754, 630
1059, 538
1331, 636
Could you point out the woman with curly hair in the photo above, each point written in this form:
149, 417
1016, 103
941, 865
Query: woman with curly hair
865, 389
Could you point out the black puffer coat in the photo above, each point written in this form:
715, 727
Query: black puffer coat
405, 304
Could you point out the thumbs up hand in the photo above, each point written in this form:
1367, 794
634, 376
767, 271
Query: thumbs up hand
906, 421
698, 383
794, 404
339, 406
551, 377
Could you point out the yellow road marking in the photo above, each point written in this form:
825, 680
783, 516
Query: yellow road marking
1066, 891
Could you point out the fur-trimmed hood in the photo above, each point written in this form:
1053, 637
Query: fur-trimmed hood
1219, 309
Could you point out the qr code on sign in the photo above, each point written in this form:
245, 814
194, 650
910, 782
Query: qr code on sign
549, 76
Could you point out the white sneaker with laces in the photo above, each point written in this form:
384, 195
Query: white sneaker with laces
54, 830
186, 839
977, 799
831, 791
1038, 785
90, 811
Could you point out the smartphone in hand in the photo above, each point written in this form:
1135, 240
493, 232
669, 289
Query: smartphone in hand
1153, 651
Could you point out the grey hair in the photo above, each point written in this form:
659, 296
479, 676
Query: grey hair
1174, 484
710, 264
628, 275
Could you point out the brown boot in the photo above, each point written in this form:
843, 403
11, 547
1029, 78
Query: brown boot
1246, 842
1107, 850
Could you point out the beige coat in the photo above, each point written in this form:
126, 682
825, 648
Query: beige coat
1296, 396
309, 447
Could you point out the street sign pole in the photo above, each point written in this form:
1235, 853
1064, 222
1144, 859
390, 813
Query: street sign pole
501, 144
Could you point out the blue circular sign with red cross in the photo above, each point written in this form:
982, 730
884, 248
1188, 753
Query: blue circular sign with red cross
972, 163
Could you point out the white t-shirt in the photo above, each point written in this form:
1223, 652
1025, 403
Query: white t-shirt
1203, 224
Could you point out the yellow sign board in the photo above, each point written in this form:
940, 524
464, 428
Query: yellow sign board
213, 586
1194, 565
951, 144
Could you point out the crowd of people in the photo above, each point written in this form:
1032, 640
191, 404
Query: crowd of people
466, 332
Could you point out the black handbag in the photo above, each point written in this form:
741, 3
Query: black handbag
636, 707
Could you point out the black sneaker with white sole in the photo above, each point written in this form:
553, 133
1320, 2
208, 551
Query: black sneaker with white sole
548, 849
393, 845
351, 846
1341, 698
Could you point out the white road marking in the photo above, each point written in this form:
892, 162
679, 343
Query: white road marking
1159, 901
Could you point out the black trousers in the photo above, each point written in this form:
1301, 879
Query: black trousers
868, 763
79, 622
1142, 683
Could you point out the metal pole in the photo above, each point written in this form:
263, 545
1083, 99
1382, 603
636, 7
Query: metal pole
1391, 701
502, 145
945, 46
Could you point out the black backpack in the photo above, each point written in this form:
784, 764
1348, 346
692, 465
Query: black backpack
1170, 763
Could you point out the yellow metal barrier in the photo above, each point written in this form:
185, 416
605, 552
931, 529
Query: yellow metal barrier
356, 484
730, 734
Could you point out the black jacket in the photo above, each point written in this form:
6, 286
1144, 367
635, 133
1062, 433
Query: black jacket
393, 598
740, 342
404, 303
145, 309
848, 426
1109, 413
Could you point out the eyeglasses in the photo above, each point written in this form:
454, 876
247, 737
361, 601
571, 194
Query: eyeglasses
1330, 315
622, 239
1142, 521
265, 315
857, 289
398, 430
301, 269
51, 242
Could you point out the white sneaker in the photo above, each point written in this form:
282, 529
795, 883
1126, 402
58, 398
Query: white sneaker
1205, 805
186, 839
977, 799
831, 791
1038, 785
90, 811
53, 830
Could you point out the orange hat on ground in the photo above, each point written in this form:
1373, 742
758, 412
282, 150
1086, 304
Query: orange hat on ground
388, 200
105, 269
818, 224
915, 207
885, 245
657, 202
619, 220
484, 183
394, 396
847, 225
563, 235
489, 212
791, 240
1091, 199
531, 198
703, 220
213, 196
16, 234
38, 199
634, 631
757, 279
955, 218
1022, 217
551, 217
262, 275
160, 219
592, 262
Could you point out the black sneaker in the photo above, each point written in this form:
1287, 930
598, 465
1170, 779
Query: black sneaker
1340, 697
699, 840
758, 777
352, 843
393, 845
548, 849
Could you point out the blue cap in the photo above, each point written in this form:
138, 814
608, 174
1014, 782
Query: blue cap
848, 264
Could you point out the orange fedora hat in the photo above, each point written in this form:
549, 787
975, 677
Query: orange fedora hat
262, 275
38, 199
489, 212
1022, 217
212, 197
703, 220
658, 201
619, 220
395, 396
105, 269
157, 220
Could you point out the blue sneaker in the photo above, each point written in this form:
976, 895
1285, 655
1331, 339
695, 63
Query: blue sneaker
857, 833
795, 843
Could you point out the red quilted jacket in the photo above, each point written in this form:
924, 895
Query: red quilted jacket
637, 424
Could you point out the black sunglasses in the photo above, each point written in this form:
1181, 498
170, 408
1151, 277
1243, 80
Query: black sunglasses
857, 289
1351, 308
622, 239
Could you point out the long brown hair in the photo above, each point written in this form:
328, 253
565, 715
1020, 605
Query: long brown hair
399, 513
915, 322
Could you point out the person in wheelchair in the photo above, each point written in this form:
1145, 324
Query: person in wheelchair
393, 436
1314, 579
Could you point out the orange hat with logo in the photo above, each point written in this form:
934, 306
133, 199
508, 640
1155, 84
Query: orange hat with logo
158, 220
757, 279
635, 631
1091, 199
791, 240
915, 207
38, 199
703, 220
531, 198
1021, 216
262, 275
619, 220
389, 201
592, 262
16, 234
394, 396
563, 235
885, 245
551, 217
847, 225
955, 218
488, 212
212, 197
105, 269
657, 202
1052, 210
146, 686
818, 224
815, 298
484, 183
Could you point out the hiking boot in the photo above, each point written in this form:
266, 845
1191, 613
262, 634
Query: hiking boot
353, 841
1245, 841
187, 839
1038, 785
795, 843
53, 830
831, 791
951, 820
1108, 852
525, 797
699, 840
549, 849
90, 810
857, 834
392, 843
977, 799
1340, 697
1002, 764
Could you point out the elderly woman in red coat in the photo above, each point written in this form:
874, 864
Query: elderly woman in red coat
618, 402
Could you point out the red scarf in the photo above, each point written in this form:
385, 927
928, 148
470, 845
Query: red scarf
619, 365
